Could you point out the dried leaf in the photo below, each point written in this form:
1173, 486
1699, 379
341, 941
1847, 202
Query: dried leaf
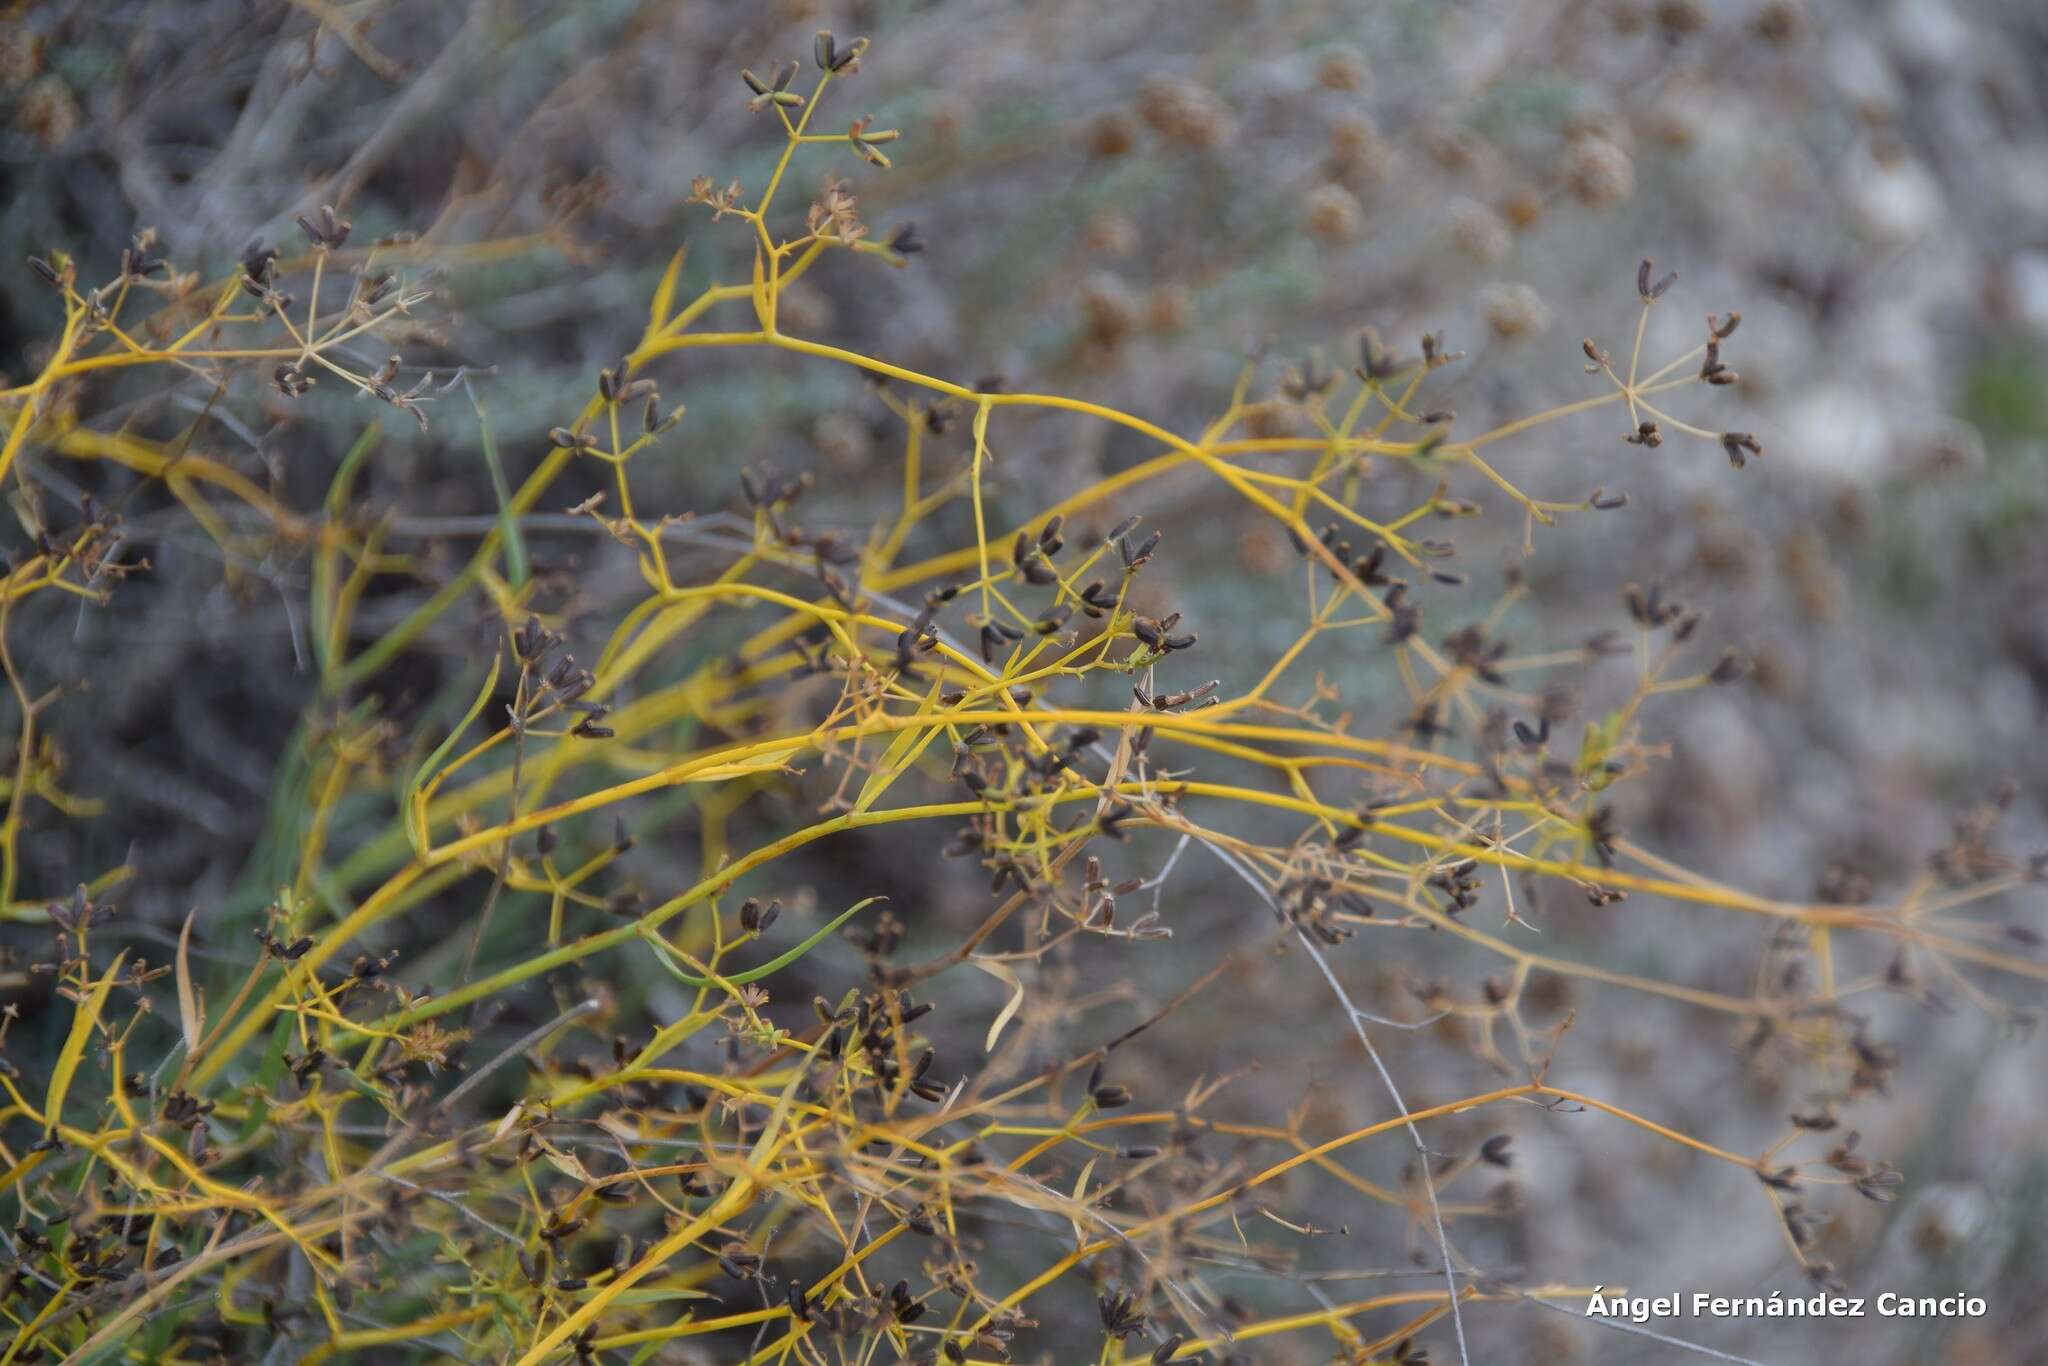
82, 1023
188, 997
1006, 973
665, 292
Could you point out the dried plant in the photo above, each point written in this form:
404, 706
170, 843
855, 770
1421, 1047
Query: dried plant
308, 1142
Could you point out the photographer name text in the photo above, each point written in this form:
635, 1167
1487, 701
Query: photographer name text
1777, 1305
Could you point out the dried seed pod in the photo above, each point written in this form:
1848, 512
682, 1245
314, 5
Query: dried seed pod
1740, 446
831, 57
1651, 291
763, 918
327, 230
1134, 558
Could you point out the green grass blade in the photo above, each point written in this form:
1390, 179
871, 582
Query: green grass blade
516, 567
773, 965
412, 812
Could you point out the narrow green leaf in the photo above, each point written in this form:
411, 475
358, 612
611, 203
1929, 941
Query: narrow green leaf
654, 1349
774, 965
660, 1295
326, 563
344, 479
516, 568
269, 1073
413, 808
